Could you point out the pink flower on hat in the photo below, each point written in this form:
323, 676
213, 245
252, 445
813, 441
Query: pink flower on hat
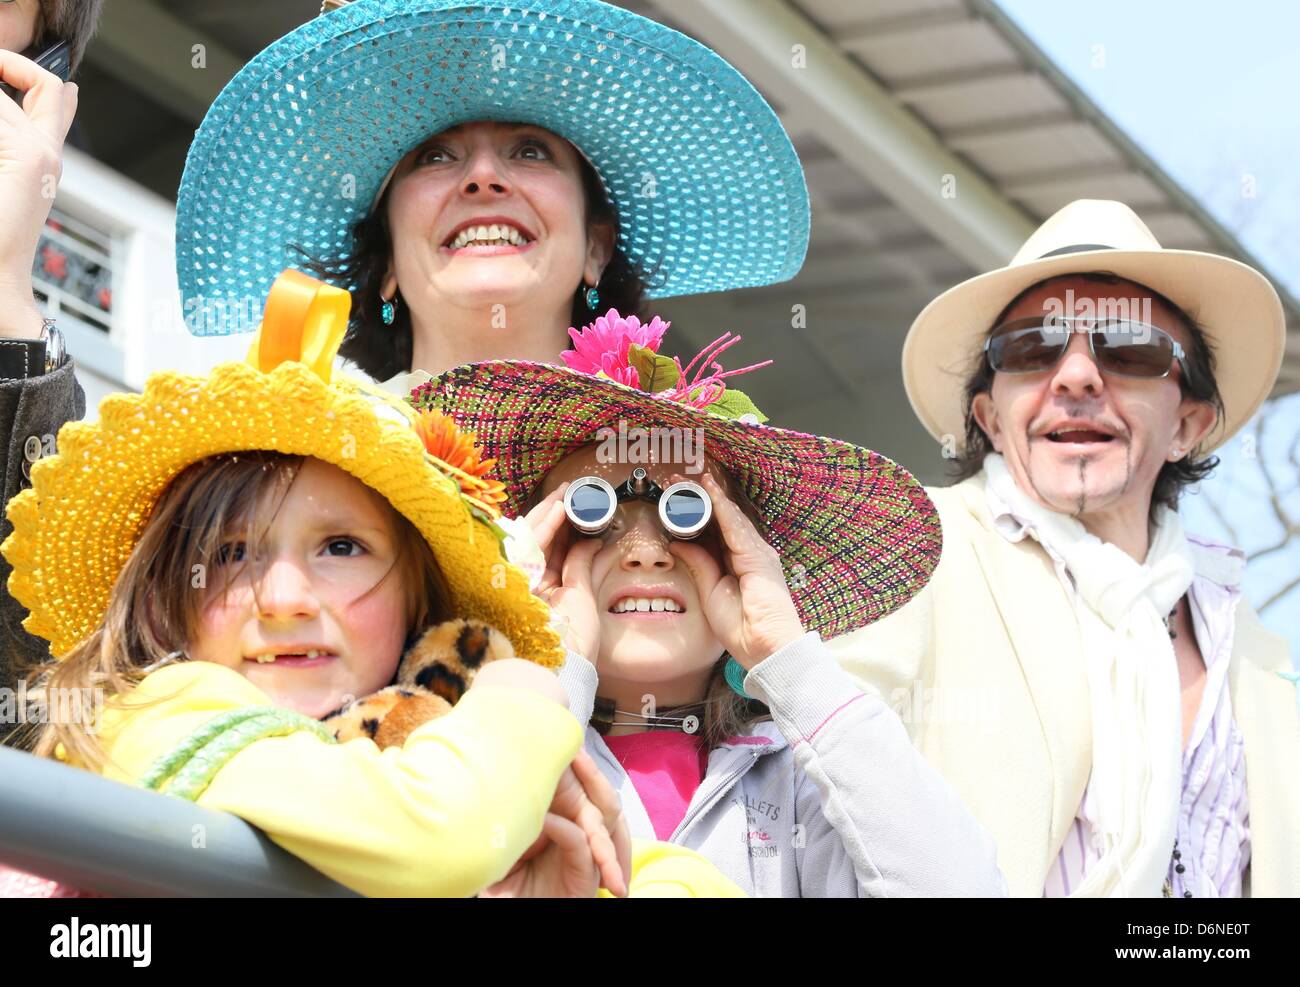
602, 347
627, 351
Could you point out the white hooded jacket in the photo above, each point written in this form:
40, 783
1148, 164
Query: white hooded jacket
828, 799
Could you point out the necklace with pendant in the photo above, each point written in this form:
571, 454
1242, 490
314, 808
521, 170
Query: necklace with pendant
605, 716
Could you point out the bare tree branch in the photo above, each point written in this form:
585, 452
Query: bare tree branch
1284, 543
1274, 495
1279, 594
1222, 518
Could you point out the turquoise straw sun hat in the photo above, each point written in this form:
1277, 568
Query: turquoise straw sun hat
297, 147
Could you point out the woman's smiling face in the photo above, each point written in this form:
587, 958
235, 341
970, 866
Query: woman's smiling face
488, 214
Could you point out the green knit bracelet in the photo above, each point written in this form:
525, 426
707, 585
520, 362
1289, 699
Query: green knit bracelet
735, 673
188, 769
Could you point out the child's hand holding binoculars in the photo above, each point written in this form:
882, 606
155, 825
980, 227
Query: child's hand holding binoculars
746, 600
566, 585
737, 575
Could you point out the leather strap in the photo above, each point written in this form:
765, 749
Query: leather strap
21, 359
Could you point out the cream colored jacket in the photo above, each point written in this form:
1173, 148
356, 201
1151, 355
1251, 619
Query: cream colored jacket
985, 667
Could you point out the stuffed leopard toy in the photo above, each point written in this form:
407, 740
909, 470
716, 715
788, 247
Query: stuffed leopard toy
433, 675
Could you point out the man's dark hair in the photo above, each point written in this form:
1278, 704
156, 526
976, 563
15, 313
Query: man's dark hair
382, 350
1196, 381
73, 21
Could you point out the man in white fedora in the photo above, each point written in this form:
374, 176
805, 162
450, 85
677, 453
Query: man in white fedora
1098, 689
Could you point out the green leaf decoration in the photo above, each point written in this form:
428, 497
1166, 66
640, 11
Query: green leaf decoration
734, 403
654, 371
491, 522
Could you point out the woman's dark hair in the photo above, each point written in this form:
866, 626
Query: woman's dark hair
1196, 382
73, 21
383, 351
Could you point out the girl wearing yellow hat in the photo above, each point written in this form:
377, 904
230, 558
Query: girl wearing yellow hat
229, 558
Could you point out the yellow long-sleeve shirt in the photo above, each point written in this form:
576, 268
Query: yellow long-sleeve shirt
447, 814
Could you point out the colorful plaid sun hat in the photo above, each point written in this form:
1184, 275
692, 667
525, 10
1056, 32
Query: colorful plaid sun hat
857, 534
295, 149
74, 530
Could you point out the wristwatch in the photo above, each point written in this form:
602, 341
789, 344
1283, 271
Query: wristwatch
21, 359
55, 354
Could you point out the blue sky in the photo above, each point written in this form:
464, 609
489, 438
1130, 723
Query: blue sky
1210, 91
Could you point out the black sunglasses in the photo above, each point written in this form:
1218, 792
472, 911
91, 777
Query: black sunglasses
1122, 346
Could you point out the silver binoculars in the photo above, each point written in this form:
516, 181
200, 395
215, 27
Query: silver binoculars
685, 508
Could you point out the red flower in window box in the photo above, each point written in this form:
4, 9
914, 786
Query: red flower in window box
54, 262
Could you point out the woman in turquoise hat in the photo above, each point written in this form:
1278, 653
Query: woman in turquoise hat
482, 176
620, 159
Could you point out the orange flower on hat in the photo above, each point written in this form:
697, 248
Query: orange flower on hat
458, 451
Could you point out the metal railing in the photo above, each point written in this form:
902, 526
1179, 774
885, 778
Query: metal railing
73, 826
73, 270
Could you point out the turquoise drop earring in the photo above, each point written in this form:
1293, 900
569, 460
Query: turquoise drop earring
593, 298
388, 311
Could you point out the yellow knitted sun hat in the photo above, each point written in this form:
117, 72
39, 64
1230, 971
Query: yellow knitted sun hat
77, 525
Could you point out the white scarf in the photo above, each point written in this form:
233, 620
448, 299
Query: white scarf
1132, 681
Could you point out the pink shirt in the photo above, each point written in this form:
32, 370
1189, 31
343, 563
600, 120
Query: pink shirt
665, 767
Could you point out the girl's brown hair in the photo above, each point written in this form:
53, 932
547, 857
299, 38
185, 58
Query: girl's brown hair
156, 604
727, 713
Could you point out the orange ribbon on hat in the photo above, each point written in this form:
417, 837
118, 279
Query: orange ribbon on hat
304, 322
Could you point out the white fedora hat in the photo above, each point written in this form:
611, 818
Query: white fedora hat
1234, 304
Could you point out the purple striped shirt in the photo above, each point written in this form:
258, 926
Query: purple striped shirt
1213, 816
